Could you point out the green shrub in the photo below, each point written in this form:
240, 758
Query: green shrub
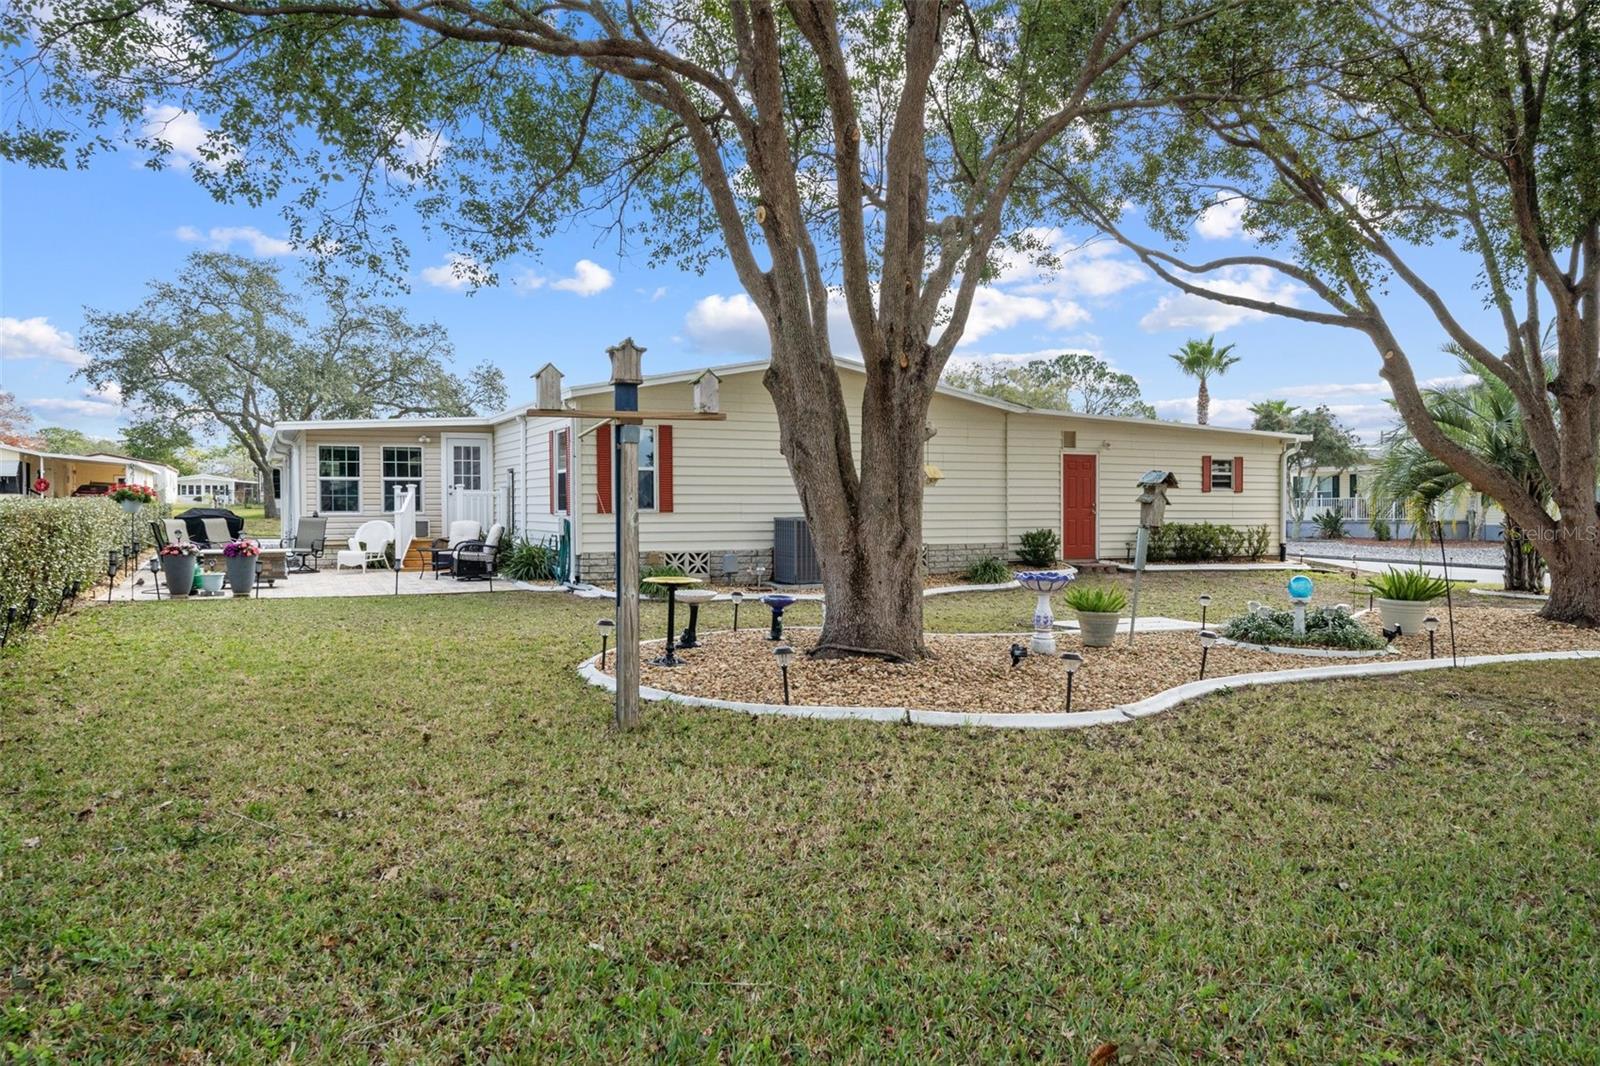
988, 571
1195, 542
1096, 599
1416, 584
1330, 523
1039, 547
1381, 530
1331, 630
527, 561
649, 588
47, 544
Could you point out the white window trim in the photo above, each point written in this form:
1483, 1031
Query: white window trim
654, 471
384, 480
361, 469
1227, 479
561, 467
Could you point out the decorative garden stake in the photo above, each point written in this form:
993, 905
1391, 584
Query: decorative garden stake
1072, 661
1300, 590
5, 634
626, 375
1207, 639
737, 598
605, 626
27, 611
1042, 583
1152, 501
1449, 601
1205, 601
1431, 624
784, 654
1018, 653
778, 603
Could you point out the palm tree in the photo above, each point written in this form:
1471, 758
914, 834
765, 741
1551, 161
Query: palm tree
1484, 418
1201, 359
1275, 416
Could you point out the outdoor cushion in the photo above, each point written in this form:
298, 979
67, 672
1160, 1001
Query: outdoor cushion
217, 531
463, 531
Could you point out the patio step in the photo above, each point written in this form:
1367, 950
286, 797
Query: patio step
414, 560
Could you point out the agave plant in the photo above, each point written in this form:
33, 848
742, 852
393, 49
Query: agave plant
1096, 599
1415, 585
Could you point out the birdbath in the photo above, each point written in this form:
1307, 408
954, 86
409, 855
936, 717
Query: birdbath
672, 584
1300, 590
778, 602
1043, 583
694, 598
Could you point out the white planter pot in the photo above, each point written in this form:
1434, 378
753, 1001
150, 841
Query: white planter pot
1407, 614
1098, 628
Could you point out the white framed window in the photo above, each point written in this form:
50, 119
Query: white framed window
339, 478
1328, 488
647, 469
466, 470
402, 466
1222, 473
562, 503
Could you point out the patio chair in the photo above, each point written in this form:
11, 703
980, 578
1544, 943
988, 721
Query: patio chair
217, 532
462, 531
310, 536
369, 546
479, 559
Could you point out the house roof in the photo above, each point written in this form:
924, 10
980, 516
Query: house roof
91, 457
751, 366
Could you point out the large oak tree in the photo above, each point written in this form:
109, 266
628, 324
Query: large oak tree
1473, 125
874, 156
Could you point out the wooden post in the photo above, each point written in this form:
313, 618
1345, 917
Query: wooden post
627, 505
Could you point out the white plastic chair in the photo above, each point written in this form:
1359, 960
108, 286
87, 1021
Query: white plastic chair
368, 546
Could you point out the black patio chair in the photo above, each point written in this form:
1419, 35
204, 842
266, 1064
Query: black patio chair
477, 560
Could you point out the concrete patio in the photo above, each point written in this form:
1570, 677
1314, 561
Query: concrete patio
331, 583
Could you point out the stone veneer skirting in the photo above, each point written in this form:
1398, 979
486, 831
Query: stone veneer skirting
938, 558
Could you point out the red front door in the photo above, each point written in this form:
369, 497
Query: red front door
1077, 507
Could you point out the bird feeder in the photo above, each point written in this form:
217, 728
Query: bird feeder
1152, 500
707, 392
548, 380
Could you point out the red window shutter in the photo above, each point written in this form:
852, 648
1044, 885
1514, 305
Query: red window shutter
1238, 473
664, 469
602, 467
1205, 473
550, 454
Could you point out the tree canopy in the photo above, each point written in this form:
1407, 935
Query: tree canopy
1071, 381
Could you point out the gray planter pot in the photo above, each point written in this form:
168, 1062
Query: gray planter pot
242, 574
1407, 614
1098, 628
179, 572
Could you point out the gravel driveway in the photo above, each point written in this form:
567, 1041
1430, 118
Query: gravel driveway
1460, 554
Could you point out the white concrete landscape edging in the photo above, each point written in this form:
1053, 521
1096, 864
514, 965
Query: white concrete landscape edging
1145, 708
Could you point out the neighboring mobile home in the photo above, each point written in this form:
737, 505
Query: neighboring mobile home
24, 470
710, 491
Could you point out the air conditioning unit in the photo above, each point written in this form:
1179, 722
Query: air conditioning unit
794, 557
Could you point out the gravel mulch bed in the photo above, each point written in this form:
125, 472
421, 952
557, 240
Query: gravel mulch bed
974, 672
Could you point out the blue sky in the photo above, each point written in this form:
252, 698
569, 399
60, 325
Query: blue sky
94, 237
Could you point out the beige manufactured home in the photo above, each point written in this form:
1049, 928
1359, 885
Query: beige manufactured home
710, 491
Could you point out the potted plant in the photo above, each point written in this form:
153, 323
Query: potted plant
177, 565
240, 559
132, 497
1099, 607
1403, 597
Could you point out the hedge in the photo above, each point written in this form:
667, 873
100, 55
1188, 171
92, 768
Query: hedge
1195, 542
47, 544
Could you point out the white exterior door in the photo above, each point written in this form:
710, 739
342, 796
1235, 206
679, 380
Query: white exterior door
468, 479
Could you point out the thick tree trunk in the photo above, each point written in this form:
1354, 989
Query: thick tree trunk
269, 503
1574, 560
1524, 566
1202, 404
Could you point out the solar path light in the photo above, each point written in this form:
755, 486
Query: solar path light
1073, 662
1207, 640
1431, 624
784, 654
604, 626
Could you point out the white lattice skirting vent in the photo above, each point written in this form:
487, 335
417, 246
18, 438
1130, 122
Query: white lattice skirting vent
695, 564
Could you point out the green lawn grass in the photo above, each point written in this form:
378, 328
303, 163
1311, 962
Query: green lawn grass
400, 829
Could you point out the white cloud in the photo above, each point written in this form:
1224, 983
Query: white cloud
1096, 268
416, 154
455, 273
996, 309
1225, 218
730, 324
1360, 405
104, 402
36, 338
222, 238
1187, 311
660, 291
588, 278
183, 135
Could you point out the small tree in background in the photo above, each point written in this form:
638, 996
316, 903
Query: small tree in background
1071, 381
1332, 447
16, 423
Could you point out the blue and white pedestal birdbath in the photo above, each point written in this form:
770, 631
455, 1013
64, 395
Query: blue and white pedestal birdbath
1300, 590
1043, 583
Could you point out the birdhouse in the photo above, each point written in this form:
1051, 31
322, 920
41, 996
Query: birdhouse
626, 363
549, 382
708, 392
1152, 499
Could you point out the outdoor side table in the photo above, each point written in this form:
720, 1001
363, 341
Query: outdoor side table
672, 584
